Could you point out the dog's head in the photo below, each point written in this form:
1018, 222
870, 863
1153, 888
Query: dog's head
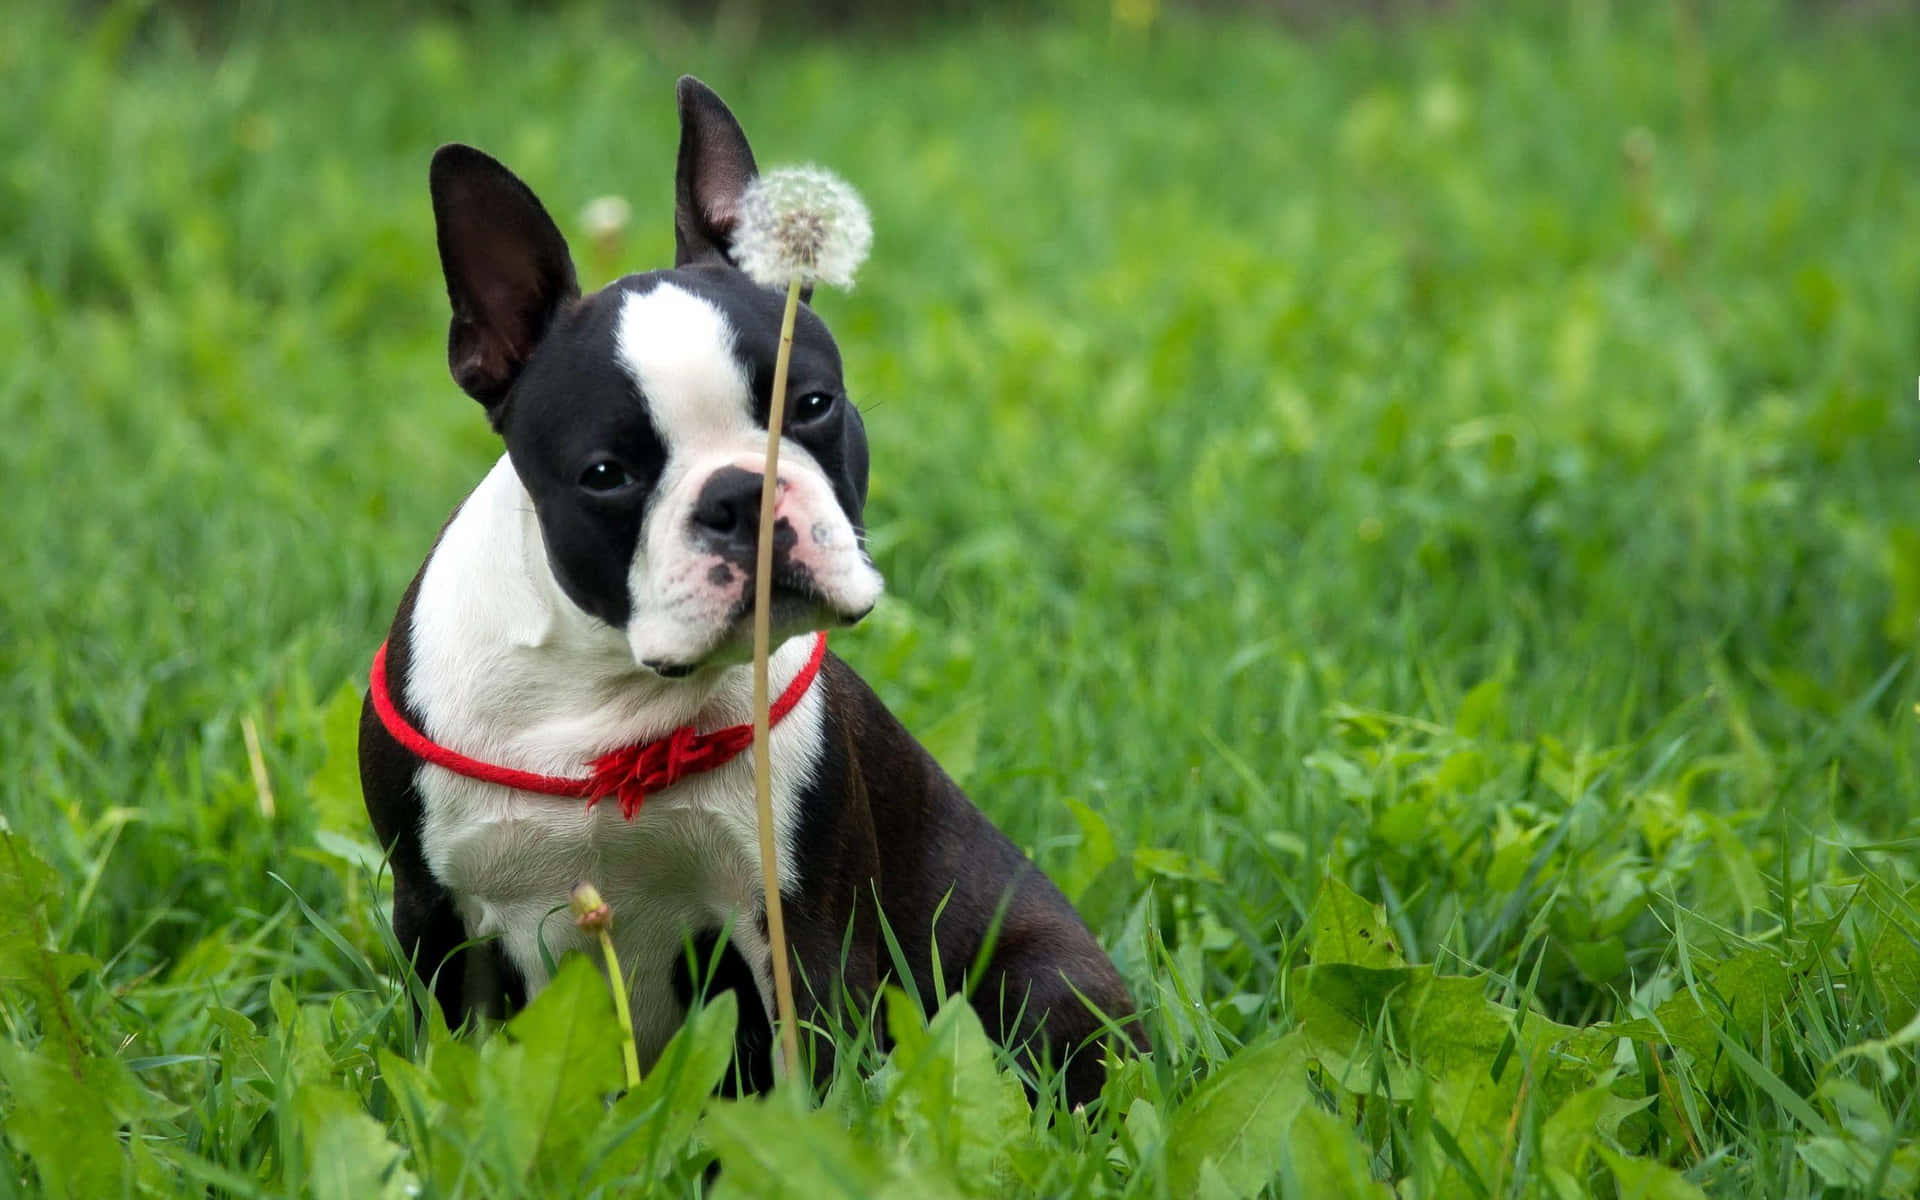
636, 417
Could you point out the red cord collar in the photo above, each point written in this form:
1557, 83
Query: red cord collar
630, 772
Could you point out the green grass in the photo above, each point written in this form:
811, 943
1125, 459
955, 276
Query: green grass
1464, 466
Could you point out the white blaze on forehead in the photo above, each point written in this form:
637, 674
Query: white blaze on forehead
679, 349
686, 597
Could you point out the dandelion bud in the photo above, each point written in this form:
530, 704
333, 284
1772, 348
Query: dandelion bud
590, 912
803, 223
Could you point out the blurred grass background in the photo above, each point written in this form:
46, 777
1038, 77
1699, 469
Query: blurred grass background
1468, 451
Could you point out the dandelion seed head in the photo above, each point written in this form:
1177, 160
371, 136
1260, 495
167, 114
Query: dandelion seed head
801, 222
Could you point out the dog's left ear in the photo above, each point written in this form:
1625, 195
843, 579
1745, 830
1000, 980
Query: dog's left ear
507, 267
716, 164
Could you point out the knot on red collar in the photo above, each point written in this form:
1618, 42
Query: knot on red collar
631, 772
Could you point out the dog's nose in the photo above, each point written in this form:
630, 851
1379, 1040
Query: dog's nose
727, 513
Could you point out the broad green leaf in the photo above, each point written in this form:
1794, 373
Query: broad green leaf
27, 885
1894, 959
1403, 824
441, 1106
1445, 1023
1482, 709
1844, 1162
1212, 1185
29, 963
412, 1090
1591, 1114
772, 1149
545, 1077
348, 1154
1348, 928
1173, 864
1460, 771
905, 1026
308, 1046
66, 1103
66, 1120
1326, 1159
1143, 1126
1455, 1037
244, 1059
1644, 1179
455, 1065
334, 789
358, 853
1176, 991
1754, 984
648, 1128
1599, 961
1783, 1093
1886, 1053
1097, 847
1339, 1009
1401, 1032
1349, 778
1238, 1117
950, 1097
1869, 1144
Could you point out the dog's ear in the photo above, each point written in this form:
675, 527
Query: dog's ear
507, 268
716, 164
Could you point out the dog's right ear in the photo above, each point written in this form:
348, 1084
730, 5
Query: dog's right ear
715, 167
507, 267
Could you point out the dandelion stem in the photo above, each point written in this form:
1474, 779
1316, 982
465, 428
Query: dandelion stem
762, 639
592, 914
629, 1052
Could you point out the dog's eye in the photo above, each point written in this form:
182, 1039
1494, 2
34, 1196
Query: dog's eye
812, 407
603, 476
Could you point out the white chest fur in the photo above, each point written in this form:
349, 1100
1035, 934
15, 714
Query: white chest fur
506, 669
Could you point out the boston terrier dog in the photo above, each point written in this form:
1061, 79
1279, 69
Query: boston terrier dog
562, 697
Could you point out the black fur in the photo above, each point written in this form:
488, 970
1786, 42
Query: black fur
476, 979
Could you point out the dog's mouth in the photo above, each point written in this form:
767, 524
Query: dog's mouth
798, 606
